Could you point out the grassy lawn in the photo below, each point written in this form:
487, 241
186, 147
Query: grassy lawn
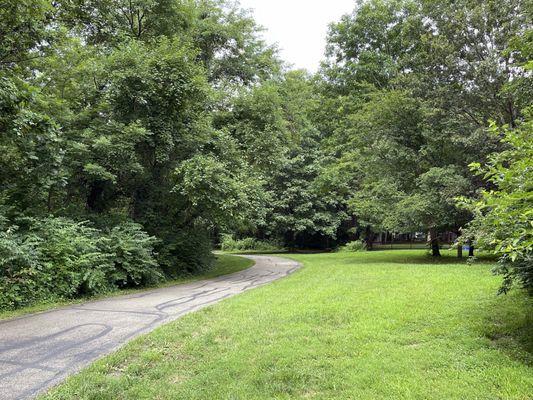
381, 325
225, 264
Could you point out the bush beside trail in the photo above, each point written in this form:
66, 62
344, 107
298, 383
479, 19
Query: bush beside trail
58, 258
229, 243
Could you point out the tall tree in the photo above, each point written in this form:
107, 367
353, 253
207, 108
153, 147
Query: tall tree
414, 84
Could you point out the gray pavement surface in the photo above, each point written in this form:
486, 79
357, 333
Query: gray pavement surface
40, 350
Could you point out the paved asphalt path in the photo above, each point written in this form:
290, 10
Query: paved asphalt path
40, 350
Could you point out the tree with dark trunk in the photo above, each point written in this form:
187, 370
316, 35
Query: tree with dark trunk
471, 250
369, 238
434, 242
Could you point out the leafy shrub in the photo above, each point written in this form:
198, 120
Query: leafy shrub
186, 252
58, 258
229, 243
354, 246
133, 258
71, 252
502, 220
21, 276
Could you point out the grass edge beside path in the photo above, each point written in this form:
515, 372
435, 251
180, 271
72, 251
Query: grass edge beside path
382, 325
225, 264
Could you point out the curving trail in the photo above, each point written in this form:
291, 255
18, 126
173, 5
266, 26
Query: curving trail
40, 350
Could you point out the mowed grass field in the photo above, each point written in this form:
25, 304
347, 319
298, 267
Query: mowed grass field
380, 325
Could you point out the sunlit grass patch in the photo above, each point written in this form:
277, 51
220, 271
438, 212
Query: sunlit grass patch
380, 325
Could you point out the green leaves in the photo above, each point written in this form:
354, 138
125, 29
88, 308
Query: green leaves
218, 192
107, 106
411, 86
96, 172
503, 216
31, 147
23, 28
59, 258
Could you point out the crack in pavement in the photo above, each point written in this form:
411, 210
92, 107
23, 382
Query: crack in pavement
40, 350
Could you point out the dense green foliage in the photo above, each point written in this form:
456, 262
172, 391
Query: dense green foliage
415, 84
113, 172
171, 123
373, 325
229, 243
503, 220
411, 89
59, 258
354, 246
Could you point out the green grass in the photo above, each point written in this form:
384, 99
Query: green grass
381, 325
225, 264
409, 246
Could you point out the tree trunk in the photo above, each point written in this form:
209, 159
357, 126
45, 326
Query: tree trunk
470, 249
369, 238
457, 232
434, 242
